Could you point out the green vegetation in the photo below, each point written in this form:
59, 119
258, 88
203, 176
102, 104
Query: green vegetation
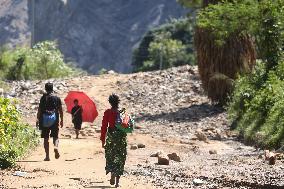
257, 103
169, 45
16, 138
43, 61
103, 71
229, 36
224, 45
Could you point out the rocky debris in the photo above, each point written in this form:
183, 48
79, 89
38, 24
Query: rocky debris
156, 154
163, 160
29, 93
141, 145
218, 134
270, 157
212, 151
198, 182
171, 106
133, 147
280, 150
201, 136
174, 157
170, 103
111, 72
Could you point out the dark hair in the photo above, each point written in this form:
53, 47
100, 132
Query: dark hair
49, 87
114, 100
76, 100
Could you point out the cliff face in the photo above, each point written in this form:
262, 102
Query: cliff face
94, 34
14, 23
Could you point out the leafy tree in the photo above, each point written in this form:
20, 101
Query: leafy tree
165, 53
156, 45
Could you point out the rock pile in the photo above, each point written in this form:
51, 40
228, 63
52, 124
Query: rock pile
29, 93
171, 103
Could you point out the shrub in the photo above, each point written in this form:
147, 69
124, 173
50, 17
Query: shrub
103, 71
43, 61
257, 107
16, 138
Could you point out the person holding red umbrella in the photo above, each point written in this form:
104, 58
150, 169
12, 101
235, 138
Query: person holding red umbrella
82, 109
77, 119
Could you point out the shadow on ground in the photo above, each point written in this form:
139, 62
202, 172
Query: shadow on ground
193, 113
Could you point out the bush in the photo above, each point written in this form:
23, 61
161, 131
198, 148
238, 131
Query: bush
43, 61
103, 71
16, 138
257, 107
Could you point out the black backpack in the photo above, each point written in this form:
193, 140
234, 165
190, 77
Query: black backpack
50, 105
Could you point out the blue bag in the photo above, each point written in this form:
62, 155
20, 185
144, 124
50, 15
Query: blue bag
49, 115
48, 119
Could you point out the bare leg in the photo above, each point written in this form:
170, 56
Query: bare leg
77, 133
56, 143
46, 149
117, 181
112, 179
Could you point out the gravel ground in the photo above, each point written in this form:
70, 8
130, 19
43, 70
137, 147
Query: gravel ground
170, 106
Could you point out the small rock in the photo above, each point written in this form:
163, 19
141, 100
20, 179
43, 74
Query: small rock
20, 173
212, 151
137, 127
201, 136
26, 86
141, 146
219, 134
111, 72
198, 182
174, 157
133, 147
157, 154
163, 160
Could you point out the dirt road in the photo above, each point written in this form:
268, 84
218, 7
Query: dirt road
170, 127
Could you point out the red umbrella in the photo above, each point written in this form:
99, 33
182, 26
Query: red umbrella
89, 107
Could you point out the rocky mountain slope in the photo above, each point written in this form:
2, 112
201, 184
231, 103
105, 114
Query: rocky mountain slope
93, 33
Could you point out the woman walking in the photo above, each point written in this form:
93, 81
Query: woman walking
114, 143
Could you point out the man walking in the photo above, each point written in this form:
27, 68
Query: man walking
49, 111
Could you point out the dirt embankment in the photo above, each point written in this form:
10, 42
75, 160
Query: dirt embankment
172, 115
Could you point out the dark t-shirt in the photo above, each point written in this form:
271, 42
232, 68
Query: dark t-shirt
49, 102
77, 114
